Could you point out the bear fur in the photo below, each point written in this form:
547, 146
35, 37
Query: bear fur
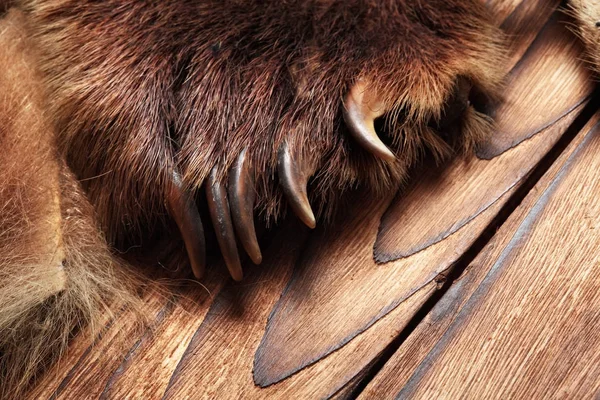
103, 102
57, 274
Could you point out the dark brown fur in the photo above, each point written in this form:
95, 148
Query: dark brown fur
139, 88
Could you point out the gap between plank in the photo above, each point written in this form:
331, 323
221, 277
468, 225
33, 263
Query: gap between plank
456, 270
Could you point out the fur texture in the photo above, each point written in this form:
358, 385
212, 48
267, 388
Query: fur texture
56, 273
140, 88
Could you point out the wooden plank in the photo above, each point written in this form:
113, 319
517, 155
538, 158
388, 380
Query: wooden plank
520, 22
524, 319
86, 364
227, 373
321, 300
331, 309
89, 371
321, 289
147, 367
535, 99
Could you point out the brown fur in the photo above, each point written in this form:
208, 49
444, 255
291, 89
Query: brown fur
139, 88
56, 273
5, 5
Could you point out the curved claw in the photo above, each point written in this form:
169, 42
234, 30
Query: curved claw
183, 210
360, 115
294, 182
241, 201
218, 206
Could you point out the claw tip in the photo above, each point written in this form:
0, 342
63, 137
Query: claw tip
256, 258
360, 117
310, 220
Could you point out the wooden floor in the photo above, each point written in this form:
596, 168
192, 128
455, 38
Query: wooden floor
481, 280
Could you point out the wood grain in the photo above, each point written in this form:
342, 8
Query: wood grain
553, 58
311, 320
520, 22
219, 335
545, 88
146, 369
524, 320
237, 339
401, 366
80, 373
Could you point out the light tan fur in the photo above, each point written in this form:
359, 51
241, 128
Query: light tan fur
56, 273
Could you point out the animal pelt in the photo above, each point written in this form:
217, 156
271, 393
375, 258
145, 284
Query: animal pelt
132, 93
140, 89
56, 272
